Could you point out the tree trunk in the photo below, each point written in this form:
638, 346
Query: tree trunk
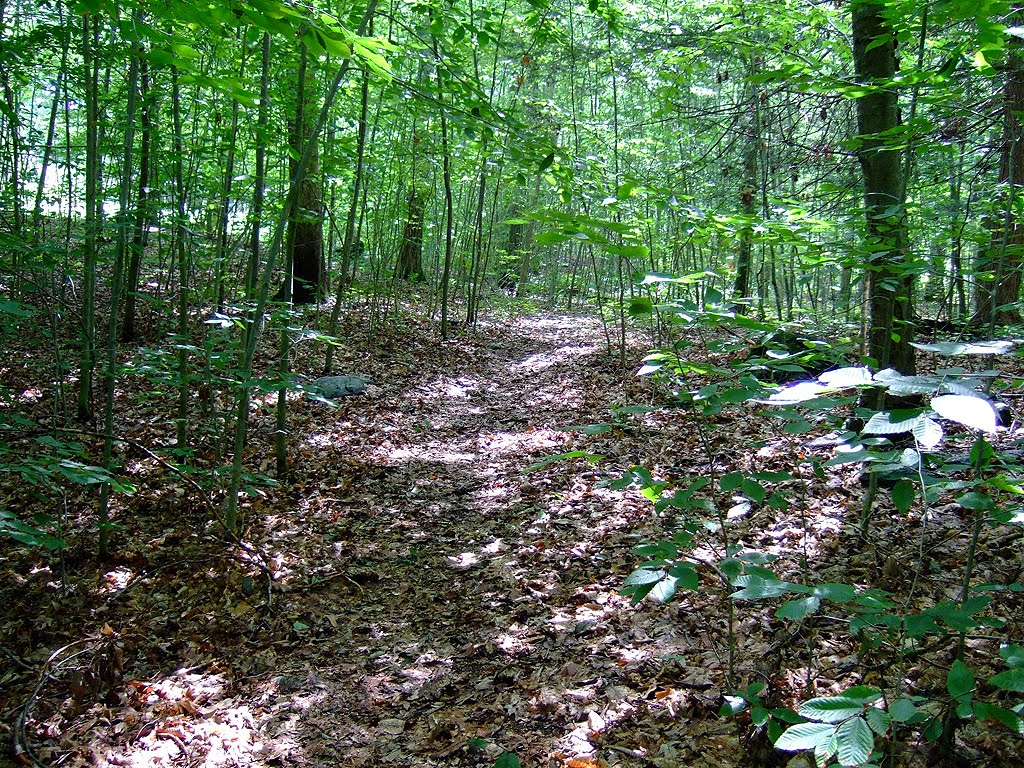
182, 256
351, 248
749, 186
225, 203
110, 368
306, 227
241, 430
449, 208
87, 356
142, 213
887, 281
999, 264
410, 255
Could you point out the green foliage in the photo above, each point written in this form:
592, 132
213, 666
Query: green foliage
841, 728
48, 468
34, 535
507, 760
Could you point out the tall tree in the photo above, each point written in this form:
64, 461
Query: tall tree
410, 253
1000, 262
306, 226
87, 354
142, 205
888, 283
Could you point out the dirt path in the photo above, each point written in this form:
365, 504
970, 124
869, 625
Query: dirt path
472, 594
432, 604
430, 601
466, 609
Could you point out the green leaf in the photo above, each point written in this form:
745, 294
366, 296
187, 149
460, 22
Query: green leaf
799, 427
644, 576
830, 709
802, 736
786, 715
837, 593
903, 495
864, 694
854, 740
928, 432
1012, 654
797, 610
920, 624
665, 589
974, 412
951, 348
13, 528
975, 501
753, 490
795, 394
892, 423
626, 191
985, 711
730, 481
757, 588
507, 760
731, 568
772, 477
735, 395
845, 378
593, 458
878, 719
902, 710
759, 716
1009, 680
732, 705
960, 680
640, 306
16, 308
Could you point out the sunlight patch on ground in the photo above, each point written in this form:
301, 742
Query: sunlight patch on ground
515, 641
542, 360
559, 395
116, 580
431, 453
446, 388
504, 443
464, 560
186, 713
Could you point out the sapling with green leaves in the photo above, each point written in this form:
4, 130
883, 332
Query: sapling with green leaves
845, 728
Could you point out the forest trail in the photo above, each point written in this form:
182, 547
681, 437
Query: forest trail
433, 587
470, 592
433, 603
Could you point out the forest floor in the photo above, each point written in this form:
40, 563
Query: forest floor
429, 590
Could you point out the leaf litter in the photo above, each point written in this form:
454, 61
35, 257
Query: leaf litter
416, 594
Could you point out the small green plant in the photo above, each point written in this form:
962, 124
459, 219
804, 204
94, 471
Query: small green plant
906, 448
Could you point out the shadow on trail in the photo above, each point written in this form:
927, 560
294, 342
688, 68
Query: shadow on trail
476, 602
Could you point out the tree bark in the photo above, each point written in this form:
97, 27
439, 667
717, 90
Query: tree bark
999, 264
306, 227
142, 212
184, 269
87, 355
410, 256
888, 284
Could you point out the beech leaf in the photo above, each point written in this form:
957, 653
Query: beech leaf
974, 412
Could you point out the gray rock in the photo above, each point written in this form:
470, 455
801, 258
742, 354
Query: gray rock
332, 387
